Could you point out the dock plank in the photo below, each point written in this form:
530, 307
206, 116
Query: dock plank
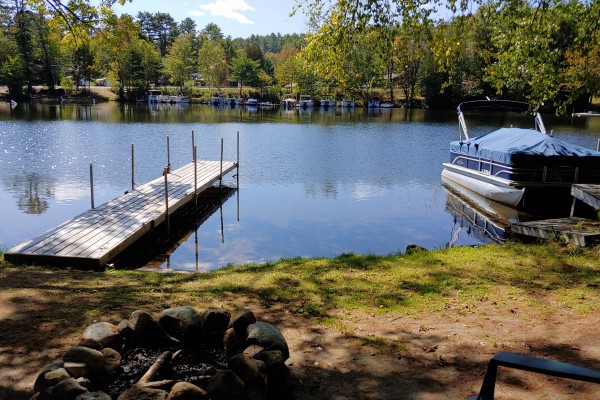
589, 194
98, 235
574, 230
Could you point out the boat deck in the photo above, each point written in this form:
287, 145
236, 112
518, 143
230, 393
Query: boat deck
93, 238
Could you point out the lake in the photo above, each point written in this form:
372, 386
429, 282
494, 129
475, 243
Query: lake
311, 183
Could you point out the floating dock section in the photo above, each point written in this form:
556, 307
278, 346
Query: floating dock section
574, 230
579, 231
589, 194
93, 238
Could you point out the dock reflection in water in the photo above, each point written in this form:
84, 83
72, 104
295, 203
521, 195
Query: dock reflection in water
477, 216
153, 251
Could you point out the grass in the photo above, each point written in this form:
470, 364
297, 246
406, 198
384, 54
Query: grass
420, 282
422, 308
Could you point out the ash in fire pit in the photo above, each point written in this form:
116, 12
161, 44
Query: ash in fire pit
182, 355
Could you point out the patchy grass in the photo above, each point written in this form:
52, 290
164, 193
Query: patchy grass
422, 314
420, 282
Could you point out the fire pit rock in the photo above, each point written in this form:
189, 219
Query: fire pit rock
182, 355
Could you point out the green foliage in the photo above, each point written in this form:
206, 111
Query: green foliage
545, 52
12, 71
121, 51
212, 63
160, 28
244, 70
181, 60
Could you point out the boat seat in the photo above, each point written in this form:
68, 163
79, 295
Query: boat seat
532, 364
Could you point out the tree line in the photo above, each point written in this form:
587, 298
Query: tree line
544, 51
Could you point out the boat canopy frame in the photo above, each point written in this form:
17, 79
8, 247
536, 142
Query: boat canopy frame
504, 105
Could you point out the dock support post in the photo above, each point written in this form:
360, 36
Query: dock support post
165, 173
193, 146
598, 145
168, 155
92, 184
195, 180
221, 171
132, 169
237, 177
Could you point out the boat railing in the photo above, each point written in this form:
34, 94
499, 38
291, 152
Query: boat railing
541, 175
463, 161
539, 124
463, 126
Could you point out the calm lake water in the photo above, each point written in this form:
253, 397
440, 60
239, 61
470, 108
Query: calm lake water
311, 184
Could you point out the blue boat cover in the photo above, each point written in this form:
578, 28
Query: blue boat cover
509, 145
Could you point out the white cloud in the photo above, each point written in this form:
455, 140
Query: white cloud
231, 9
197, 13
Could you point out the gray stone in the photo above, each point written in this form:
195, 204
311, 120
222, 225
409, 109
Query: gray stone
272, 358
244, 367
232, 343
112, 361
225, 385
267, 336
100, 395
85, 382
253, 350
77, 369
240, 324
187, 391
182, 323
214, 324
256, 390
281, 383
146, 331
90, 343
41, 382
68, 389
105, 333
125, 329
55, 376
94, 359
138, 392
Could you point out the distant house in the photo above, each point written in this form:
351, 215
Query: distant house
391, 77
102, 82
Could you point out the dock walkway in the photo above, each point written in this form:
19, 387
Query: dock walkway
579, 231
589, 194
93, 238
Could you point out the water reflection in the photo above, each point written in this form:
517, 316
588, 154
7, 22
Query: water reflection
482, 218
32, 193
315, 183
157, 249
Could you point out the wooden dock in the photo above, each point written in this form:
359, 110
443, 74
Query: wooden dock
589, 194
574, 230
92, 239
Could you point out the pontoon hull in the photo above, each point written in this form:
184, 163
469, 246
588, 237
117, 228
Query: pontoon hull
499, 192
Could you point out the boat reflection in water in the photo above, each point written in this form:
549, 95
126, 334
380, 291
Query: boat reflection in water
486, 220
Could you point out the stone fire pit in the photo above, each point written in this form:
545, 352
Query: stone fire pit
181, 355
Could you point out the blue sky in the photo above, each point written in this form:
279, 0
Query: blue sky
238, 18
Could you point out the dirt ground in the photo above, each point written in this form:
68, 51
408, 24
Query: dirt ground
438, 355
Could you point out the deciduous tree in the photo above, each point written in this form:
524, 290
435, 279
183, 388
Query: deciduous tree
181, 60
211, 62
244, 70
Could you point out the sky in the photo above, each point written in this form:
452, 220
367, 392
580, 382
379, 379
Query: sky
236, 18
